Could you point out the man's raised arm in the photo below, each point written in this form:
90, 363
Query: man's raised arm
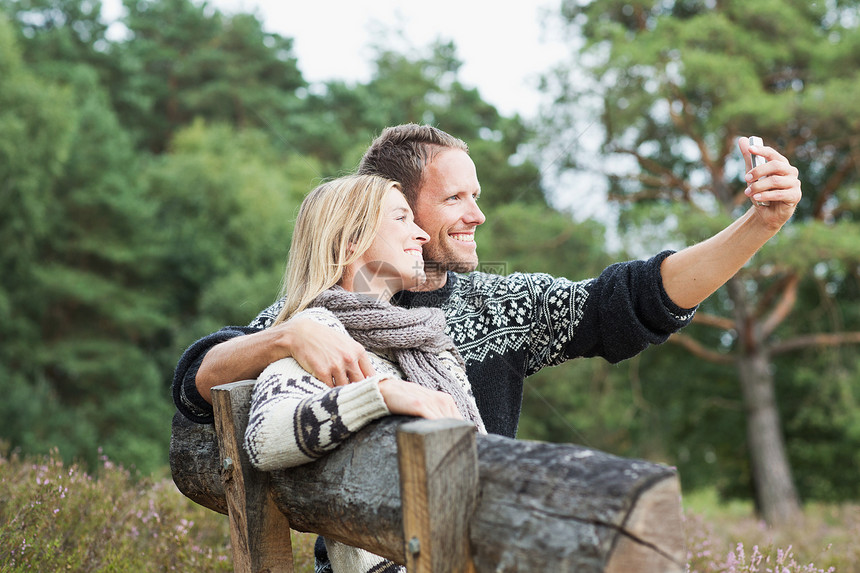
693, 274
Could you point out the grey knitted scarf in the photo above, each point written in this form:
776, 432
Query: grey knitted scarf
415, 336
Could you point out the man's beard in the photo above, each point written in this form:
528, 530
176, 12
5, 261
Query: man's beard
436, 267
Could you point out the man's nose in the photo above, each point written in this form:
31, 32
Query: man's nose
474, 215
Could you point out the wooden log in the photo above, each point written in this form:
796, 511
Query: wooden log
438, 464
195, 463
351, 495
541, 507
561, 507
259, 531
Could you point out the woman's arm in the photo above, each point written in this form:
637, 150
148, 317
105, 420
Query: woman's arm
295, 418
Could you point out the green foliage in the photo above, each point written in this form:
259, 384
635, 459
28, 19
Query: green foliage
57, 516
77, 253
533, 238
185, 60
674, 85
226, 204
57, 33
423, 88
149, 186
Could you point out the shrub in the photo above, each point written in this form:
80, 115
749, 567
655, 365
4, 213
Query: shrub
57, 517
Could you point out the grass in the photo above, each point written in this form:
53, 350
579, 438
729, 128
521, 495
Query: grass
57, 517
728, 538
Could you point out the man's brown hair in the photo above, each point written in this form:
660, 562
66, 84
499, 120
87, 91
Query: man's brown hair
401, 153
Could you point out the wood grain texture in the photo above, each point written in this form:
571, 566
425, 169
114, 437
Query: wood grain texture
438, 465
195, 463
561, 507
540, 507
259, 531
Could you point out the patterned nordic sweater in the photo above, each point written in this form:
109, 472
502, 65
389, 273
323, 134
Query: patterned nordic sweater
509, 327
295, 419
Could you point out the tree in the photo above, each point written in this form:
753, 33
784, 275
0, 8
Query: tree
420, 86
676, 83
226, 200
149, 185
185, 60
53, 33
77, 265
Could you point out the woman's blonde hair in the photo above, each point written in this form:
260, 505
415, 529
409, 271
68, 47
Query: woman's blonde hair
337, 223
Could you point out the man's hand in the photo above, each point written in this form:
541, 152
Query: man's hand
331, 356
410, 399
694, 273
775, 182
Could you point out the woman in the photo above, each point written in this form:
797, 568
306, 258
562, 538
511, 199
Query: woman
355, 244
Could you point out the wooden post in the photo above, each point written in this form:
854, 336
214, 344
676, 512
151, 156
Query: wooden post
259, 532
438, 462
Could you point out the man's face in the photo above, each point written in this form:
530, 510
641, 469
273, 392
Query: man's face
446, 208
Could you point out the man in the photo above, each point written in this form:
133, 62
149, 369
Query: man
506, 328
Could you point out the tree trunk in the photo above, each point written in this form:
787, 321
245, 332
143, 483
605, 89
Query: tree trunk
771, 472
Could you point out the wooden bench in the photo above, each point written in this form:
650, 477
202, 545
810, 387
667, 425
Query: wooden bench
435, 496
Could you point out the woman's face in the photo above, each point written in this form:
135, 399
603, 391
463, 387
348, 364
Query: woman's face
394, 261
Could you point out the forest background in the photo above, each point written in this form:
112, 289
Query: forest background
148, 188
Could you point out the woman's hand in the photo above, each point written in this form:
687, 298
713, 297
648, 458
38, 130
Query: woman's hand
410, 399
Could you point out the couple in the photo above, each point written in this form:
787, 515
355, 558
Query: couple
505, 328
355, 244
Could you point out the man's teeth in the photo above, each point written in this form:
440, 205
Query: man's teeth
464, 237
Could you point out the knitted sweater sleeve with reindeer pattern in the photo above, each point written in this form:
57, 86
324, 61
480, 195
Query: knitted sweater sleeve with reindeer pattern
295, 418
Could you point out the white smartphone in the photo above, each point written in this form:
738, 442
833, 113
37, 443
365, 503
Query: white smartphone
758, 160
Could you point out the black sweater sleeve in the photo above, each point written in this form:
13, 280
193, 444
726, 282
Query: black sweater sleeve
185, 395
630, 310
615, 316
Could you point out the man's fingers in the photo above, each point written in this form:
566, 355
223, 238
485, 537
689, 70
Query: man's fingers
744, 145
770, 154
339, 377
776, 169
365, 366
354, 373
331, 356
784, 188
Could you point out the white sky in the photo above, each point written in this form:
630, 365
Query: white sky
504, 47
